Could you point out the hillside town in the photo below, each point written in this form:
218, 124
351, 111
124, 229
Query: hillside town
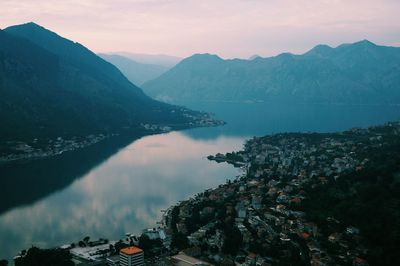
38, 148
42, 148
265, 216
262, 217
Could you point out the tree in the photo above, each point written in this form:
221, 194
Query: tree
119, 245
145, 242
112, 249
45, 257
179, 241
233, 240
174, 218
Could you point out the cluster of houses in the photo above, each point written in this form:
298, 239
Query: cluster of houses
18, 150
41, 148
196, 119
201, 119
265, 205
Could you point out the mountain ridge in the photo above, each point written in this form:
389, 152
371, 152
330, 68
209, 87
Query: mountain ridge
72, 52
53, 87
153, 59
358, 73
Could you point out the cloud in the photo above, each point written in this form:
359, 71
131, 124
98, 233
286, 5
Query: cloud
227, 27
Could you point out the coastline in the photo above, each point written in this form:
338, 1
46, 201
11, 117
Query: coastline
22, 151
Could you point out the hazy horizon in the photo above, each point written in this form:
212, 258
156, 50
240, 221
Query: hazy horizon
230, 29
125, 53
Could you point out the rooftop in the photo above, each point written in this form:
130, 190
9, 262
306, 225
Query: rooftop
184, 260
131, 250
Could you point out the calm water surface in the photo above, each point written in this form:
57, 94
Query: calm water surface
123, 194
106, 194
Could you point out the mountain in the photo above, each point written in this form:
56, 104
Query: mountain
358, 73
137, 73
254, 57
152, 59
51, 86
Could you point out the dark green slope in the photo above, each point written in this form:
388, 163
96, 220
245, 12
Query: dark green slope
51, 86
358, 73
26, 73
73, 54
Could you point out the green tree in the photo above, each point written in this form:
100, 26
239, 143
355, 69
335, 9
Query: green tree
233, 240
146, 243
179, 241
119, 245
45, 257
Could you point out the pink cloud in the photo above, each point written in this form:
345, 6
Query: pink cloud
230, 28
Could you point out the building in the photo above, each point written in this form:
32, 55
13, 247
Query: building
113, 260
184, 260
155, 233
131, 256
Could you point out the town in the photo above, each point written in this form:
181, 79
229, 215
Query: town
42, 148
262, 218
38, 148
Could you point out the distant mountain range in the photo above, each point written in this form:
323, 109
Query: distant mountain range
51, 86
152, 59
136, 72
358, 73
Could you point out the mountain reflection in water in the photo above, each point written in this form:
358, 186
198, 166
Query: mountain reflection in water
123, 194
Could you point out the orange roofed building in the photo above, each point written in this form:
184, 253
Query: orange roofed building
131, 256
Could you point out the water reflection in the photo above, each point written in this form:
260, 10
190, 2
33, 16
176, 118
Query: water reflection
124, 194
25, 183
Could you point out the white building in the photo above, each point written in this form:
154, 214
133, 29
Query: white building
131, 256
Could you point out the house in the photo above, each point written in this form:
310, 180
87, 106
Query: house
335, 237
351, 230
241, 210
251, 259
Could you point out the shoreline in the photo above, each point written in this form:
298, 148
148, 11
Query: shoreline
50, 147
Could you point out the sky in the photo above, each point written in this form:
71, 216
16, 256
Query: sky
229, 28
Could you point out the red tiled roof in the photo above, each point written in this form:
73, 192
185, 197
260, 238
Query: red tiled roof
305, 235
131, 250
